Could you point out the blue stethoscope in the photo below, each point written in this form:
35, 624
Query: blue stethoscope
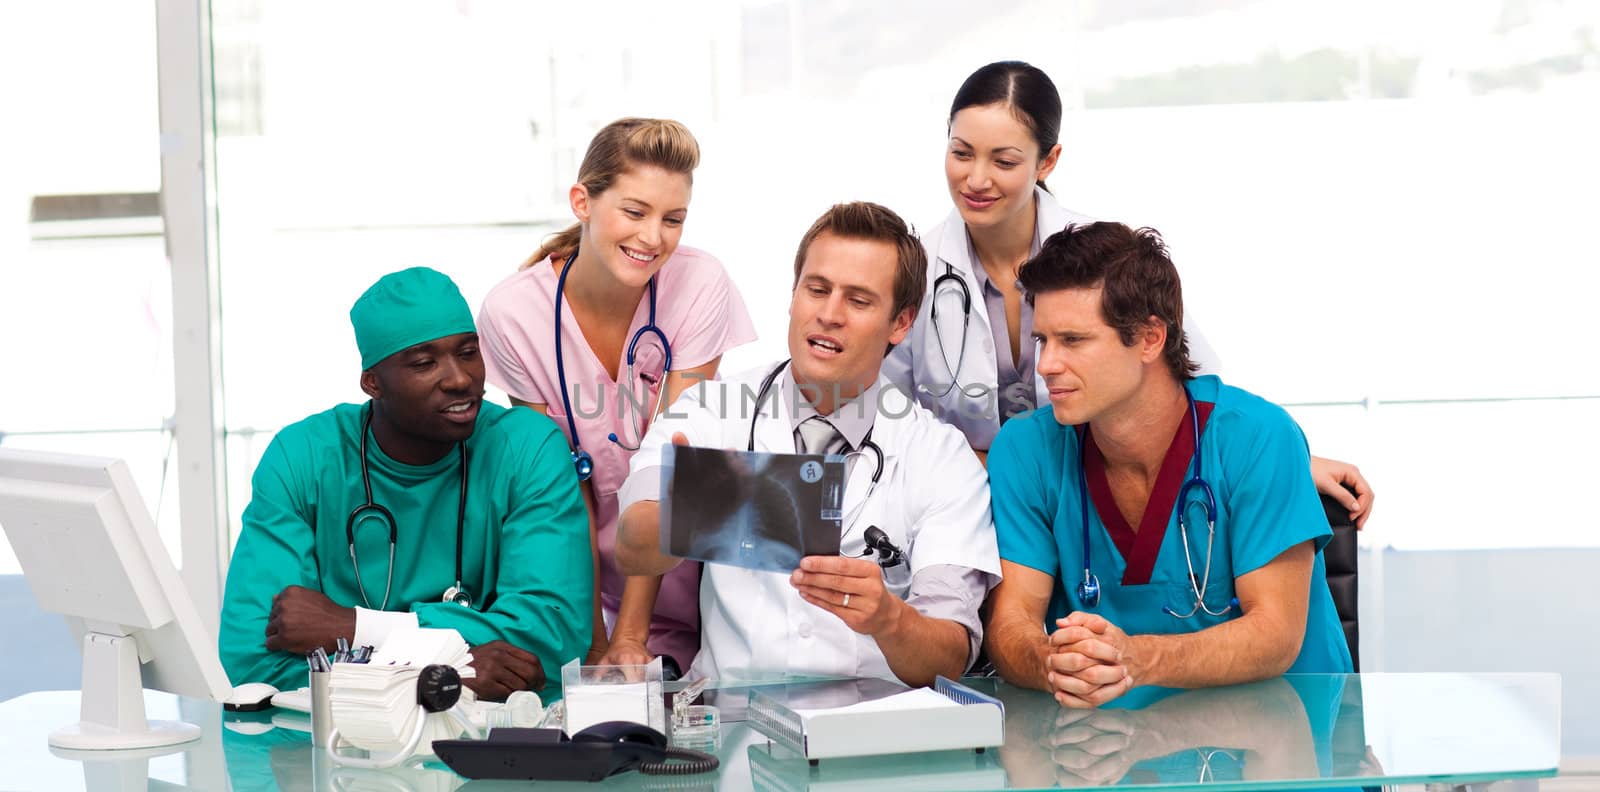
1089, 587
581, 459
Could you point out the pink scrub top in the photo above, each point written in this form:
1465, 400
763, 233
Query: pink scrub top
703, 316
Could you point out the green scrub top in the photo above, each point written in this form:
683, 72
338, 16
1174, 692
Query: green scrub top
526, 556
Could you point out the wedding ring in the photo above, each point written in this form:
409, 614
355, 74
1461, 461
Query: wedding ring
846, 602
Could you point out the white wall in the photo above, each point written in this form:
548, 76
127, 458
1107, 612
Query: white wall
1490, 610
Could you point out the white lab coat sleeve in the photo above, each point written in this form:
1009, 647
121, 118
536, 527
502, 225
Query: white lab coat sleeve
946, 495
900, 366
955, 594
694, 413
1200, 350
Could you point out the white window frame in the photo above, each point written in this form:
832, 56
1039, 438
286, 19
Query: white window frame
189, 212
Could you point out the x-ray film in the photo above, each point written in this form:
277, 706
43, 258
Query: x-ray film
750, 509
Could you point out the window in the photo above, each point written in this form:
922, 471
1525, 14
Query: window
84, 290
1373, 204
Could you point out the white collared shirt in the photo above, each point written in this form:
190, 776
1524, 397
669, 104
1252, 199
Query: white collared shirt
932, 500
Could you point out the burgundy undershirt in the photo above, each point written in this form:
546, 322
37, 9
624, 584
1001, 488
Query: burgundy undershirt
1140, 549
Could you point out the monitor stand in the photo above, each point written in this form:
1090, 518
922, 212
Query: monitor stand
112, 708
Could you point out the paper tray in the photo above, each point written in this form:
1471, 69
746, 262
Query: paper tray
977, 724
775, 768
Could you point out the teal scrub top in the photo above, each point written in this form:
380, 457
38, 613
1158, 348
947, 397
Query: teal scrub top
526, 556
1257, 462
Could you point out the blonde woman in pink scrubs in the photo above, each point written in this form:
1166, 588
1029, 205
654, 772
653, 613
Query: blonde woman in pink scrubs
559, 336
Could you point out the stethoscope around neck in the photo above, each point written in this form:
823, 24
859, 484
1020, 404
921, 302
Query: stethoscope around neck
951, 276
583, 461
458, 593
866, 443
1089, 586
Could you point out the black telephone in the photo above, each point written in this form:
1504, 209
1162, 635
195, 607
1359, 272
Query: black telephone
601, 750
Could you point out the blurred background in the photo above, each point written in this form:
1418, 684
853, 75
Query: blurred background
1377, 208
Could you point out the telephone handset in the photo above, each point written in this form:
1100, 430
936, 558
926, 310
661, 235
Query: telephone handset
632, 744
601, 750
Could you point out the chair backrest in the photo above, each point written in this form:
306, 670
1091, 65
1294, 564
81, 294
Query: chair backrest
1340, 559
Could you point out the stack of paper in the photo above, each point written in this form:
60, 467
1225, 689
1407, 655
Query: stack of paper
374, 704
591, 704
914, 699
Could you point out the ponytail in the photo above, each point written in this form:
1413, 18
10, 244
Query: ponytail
559, 245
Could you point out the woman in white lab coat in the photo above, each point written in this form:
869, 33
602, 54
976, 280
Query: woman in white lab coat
970, 357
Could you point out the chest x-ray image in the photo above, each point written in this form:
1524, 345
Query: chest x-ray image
750, 509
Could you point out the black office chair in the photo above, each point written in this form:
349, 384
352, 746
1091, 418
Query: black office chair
1340, 559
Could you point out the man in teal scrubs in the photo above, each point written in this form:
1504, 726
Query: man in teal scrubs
489, 532
1103, 587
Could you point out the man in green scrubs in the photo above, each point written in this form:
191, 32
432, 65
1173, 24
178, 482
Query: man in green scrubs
478, 499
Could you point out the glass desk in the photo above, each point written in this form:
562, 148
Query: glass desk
1297, 732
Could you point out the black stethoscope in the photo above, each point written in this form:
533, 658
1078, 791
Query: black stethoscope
866, 443
582, 461
457, 593
951, 276
1089, 587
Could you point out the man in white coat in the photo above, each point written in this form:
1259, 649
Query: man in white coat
859, 277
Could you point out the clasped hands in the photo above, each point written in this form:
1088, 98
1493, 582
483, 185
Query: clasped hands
1097, 747
1087, 663
1051, 745
302, 619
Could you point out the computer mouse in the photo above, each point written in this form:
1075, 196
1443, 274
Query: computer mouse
250, 697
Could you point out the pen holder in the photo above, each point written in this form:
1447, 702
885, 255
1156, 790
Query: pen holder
321, 707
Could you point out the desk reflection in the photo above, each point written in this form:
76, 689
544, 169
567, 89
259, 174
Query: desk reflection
283, 760
1276, 729
1442, 728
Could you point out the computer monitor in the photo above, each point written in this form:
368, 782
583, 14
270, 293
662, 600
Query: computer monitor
91, 553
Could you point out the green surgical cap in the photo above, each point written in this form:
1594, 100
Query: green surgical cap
407, 308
